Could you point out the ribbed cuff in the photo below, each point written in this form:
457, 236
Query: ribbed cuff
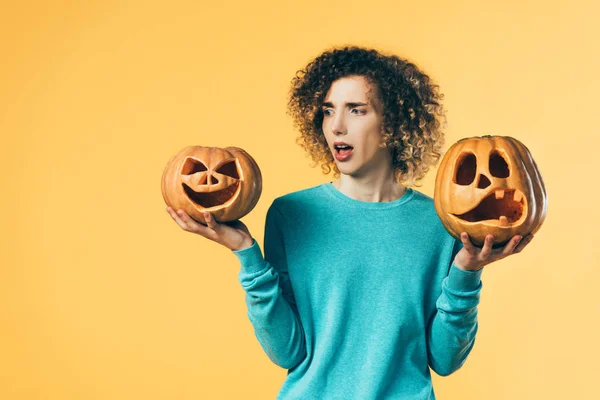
464, 281
251, 258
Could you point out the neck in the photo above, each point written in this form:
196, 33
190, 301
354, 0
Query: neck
380, 189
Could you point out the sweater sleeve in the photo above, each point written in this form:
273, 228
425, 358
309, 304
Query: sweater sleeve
270, 300
451, 332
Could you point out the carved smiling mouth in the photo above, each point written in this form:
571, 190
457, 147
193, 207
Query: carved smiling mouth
502, 206
211, 199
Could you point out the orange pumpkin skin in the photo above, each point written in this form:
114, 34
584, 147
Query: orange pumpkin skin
490, 185
225, 181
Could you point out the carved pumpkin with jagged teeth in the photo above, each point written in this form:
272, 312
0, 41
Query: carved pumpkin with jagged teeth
225, 181
490, 185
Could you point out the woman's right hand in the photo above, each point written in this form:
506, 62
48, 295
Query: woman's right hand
234, 235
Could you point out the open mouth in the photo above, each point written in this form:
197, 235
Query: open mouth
211, 199
502, 207
341, 152
342, 147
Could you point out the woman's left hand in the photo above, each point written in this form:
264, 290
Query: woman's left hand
472, 258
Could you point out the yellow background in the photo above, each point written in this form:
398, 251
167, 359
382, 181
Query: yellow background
103, 296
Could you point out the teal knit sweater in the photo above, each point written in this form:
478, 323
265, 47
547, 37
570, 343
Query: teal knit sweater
359, 299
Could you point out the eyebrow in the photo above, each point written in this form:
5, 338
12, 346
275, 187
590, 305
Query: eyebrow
350, 105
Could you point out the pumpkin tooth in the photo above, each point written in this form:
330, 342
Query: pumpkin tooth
499, 194
518, 196
503, 220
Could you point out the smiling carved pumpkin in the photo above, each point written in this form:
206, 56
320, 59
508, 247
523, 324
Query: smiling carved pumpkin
490, 185
225, 181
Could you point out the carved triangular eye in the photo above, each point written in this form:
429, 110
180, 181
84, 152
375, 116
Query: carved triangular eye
498, 166
466, 170
229, 169
191, 166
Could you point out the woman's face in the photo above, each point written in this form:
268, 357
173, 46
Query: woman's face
353, 113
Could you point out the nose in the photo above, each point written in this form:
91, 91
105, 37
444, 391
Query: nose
483, 182
338, 125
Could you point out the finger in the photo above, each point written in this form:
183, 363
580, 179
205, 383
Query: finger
526, 240
464, 238
487, 247
210, 221
195, 227
191, 224
174, 215
511, 245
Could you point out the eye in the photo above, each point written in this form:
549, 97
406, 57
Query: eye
466, 170
326, 112
191, 166
360, 111
498, 165
229, 169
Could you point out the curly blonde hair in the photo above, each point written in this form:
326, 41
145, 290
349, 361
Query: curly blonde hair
413, 116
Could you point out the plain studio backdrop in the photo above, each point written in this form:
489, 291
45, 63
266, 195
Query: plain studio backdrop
103, 296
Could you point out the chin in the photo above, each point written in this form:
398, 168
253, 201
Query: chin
353, 172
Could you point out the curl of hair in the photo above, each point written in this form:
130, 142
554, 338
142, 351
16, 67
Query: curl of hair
413, 116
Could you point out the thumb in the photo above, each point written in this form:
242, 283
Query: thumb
210, 220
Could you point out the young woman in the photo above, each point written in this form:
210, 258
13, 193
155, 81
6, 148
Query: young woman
361, 289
